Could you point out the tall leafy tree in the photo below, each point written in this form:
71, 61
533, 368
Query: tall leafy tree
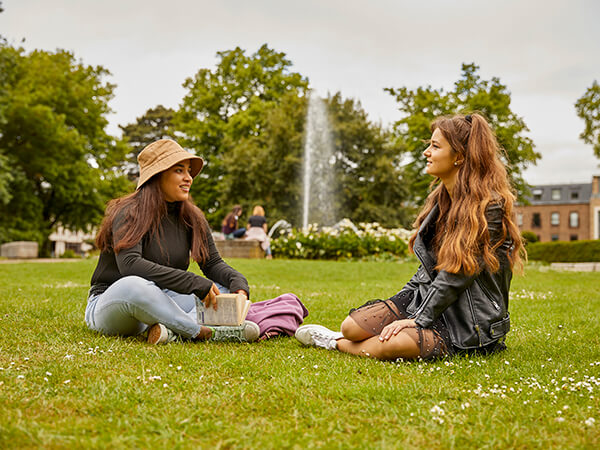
52, 138
156, 123
368, 167
471, 93
5, 175
265, 168
588, 108
226, 105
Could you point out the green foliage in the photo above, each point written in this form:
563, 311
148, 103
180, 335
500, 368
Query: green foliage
246, 118
64, 386
588, 108
470, 93
529, 236
368, 167
225, 108
5, 179
155, 124
265, 169
69, 254
369, 240
565, 251
52, 137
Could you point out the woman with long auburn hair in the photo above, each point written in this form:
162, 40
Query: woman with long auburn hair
467, 243
141, 283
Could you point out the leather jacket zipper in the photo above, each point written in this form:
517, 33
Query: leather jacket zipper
477, 329
422, 261
488, 295
432, 291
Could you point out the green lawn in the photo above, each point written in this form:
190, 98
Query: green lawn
64, 386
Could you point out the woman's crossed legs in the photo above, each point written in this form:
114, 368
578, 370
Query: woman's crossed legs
381, 329
358, 341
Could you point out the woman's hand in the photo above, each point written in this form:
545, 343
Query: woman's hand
211, 297
396, 327
243, 292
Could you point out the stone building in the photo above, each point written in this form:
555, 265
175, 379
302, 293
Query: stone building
562, 212
63, 239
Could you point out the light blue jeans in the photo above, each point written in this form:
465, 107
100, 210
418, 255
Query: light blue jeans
131, 304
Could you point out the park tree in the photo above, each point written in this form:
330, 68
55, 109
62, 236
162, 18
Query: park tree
368, 167
156, 123
265, 168
588, 108
5, 175
52, 139
470, 93
224, 108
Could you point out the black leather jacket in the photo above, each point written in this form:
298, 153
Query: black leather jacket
474, 308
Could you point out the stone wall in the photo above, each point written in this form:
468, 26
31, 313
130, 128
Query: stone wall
19, 249
239, 248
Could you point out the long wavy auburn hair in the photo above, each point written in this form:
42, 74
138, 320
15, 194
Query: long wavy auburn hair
145, 210
462, 240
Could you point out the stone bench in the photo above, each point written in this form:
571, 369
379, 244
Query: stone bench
239, 248
19, 249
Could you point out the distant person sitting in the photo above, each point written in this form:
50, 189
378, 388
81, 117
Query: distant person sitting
229, 226
257, 229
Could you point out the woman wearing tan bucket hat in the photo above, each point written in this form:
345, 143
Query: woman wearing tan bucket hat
141, 283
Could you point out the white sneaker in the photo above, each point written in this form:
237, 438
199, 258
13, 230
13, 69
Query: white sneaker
318, 336
159, 334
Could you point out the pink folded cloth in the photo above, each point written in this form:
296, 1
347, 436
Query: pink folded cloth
278, 316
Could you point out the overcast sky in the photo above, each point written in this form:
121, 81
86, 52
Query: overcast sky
546, 51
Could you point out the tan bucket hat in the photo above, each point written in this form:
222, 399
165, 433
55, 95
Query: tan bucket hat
161, 155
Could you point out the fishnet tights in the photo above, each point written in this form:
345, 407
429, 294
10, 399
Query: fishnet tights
373, 316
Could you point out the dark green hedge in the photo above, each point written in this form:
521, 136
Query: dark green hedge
564, 251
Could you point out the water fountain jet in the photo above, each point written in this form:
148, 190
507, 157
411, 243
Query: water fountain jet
319, 160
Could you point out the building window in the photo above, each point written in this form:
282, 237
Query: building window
573, 237
556, 194
574, 219
536, 220
75, 246
537, 194
519, 219
554, 237
574, 195
555, 218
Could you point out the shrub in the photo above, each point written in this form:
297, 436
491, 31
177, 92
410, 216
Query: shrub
529, 236
565, 251
346, 241
69, 254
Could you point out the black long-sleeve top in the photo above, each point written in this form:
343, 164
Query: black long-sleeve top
166, 262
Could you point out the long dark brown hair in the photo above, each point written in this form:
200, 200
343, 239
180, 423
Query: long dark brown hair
145, 209
230, 218
462, 238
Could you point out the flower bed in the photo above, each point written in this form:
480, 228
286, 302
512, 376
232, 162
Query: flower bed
343, 241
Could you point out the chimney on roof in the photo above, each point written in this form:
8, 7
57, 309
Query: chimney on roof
596, 186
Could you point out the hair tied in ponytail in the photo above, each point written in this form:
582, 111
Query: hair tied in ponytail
468, 118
